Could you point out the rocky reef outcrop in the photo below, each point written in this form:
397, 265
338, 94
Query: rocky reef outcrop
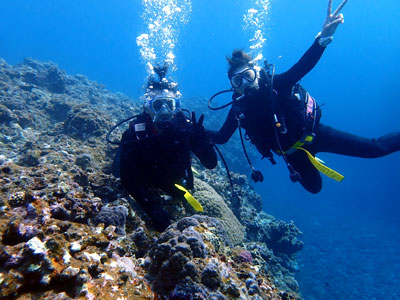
68, 230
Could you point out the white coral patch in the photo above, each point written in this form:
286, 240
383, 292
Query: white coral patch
114, 288
127, 264
67, 257
93, 257
36, 246
75, 247
46, 216
107, 276
99, 229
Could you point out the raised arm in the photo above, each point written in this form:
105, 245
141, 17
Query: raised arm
226, 131
308, 61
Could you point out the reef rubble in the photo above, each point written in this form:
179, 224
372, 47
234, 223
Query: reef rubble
68, 230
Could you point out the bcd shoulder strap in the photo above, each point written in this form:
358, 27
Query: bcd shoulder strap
311, 112
139, 125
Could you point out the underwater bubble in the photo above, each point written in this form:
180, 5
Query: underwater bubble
167, 10
163, 20
254, 21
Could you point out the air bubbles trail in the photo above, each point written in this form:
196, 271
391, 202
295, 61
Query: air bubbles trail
254, 21
162, 20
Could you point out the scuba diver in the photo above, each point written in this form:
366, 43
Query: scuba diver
279, 116
155, 151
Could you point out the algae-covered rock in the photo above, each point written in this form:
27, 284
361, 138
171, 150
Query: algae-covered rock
184, 264
115, 215
84, 122
6, 115
45, 75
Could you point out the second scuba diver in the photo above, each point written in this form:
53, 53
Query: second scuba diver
155, 152
278, 115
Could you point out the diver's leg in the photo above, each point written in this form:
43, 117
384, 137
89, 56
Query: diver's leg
151, 203
332, 140
310, 177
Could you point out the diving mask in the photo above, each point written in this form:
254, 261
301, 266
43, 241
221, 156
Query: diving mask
158, 104
238, 79
162, 109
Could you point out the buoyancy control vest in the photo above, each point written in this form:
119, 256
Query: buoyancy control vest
305, 119
274, 122
263, 111
166, 156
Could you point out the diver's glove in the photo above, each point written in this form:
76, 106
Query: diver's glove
198, 128
331, 23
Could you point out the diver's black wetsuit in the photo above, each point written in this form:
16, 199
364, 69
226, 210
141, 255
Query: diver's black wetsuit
256, 111
148, 158
332, 140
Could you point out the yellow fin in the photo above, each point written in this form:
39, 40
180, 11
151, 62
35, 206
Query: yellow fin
322, 168
190, 199
195, 171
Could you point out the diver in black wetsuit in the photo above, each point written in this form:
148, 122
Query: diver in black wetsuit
155, 152
279, 115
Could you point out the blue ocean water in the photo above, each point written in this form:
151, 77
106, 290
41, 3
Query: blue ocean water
351, 229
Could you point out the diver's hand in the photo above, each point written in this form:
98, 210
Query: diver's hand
199, 135
198, 125
331, 23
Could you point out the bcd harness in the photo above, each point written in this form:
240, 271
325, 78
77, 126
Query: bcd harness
310, 118
139, 126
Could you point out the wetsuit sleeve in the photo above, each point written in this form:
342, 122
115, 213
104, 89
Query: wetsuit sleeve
306, 63
226, 131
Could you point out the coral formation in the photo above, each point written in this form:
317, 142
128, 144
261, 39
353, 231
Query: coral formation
215, 206
68, 229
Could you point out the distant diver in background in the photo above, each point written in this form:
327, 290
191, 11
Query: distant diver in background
155, 152
279, 115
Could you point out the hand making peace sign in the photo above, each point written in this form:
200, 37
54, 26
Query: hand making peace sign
332, 21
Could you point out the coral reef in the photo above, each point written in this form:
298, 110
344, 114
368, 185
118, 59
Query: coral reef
191, 259
215, 206
68, 229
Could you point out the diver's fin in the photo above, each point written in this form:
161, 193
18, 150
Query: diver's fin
322, 168
190, 199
